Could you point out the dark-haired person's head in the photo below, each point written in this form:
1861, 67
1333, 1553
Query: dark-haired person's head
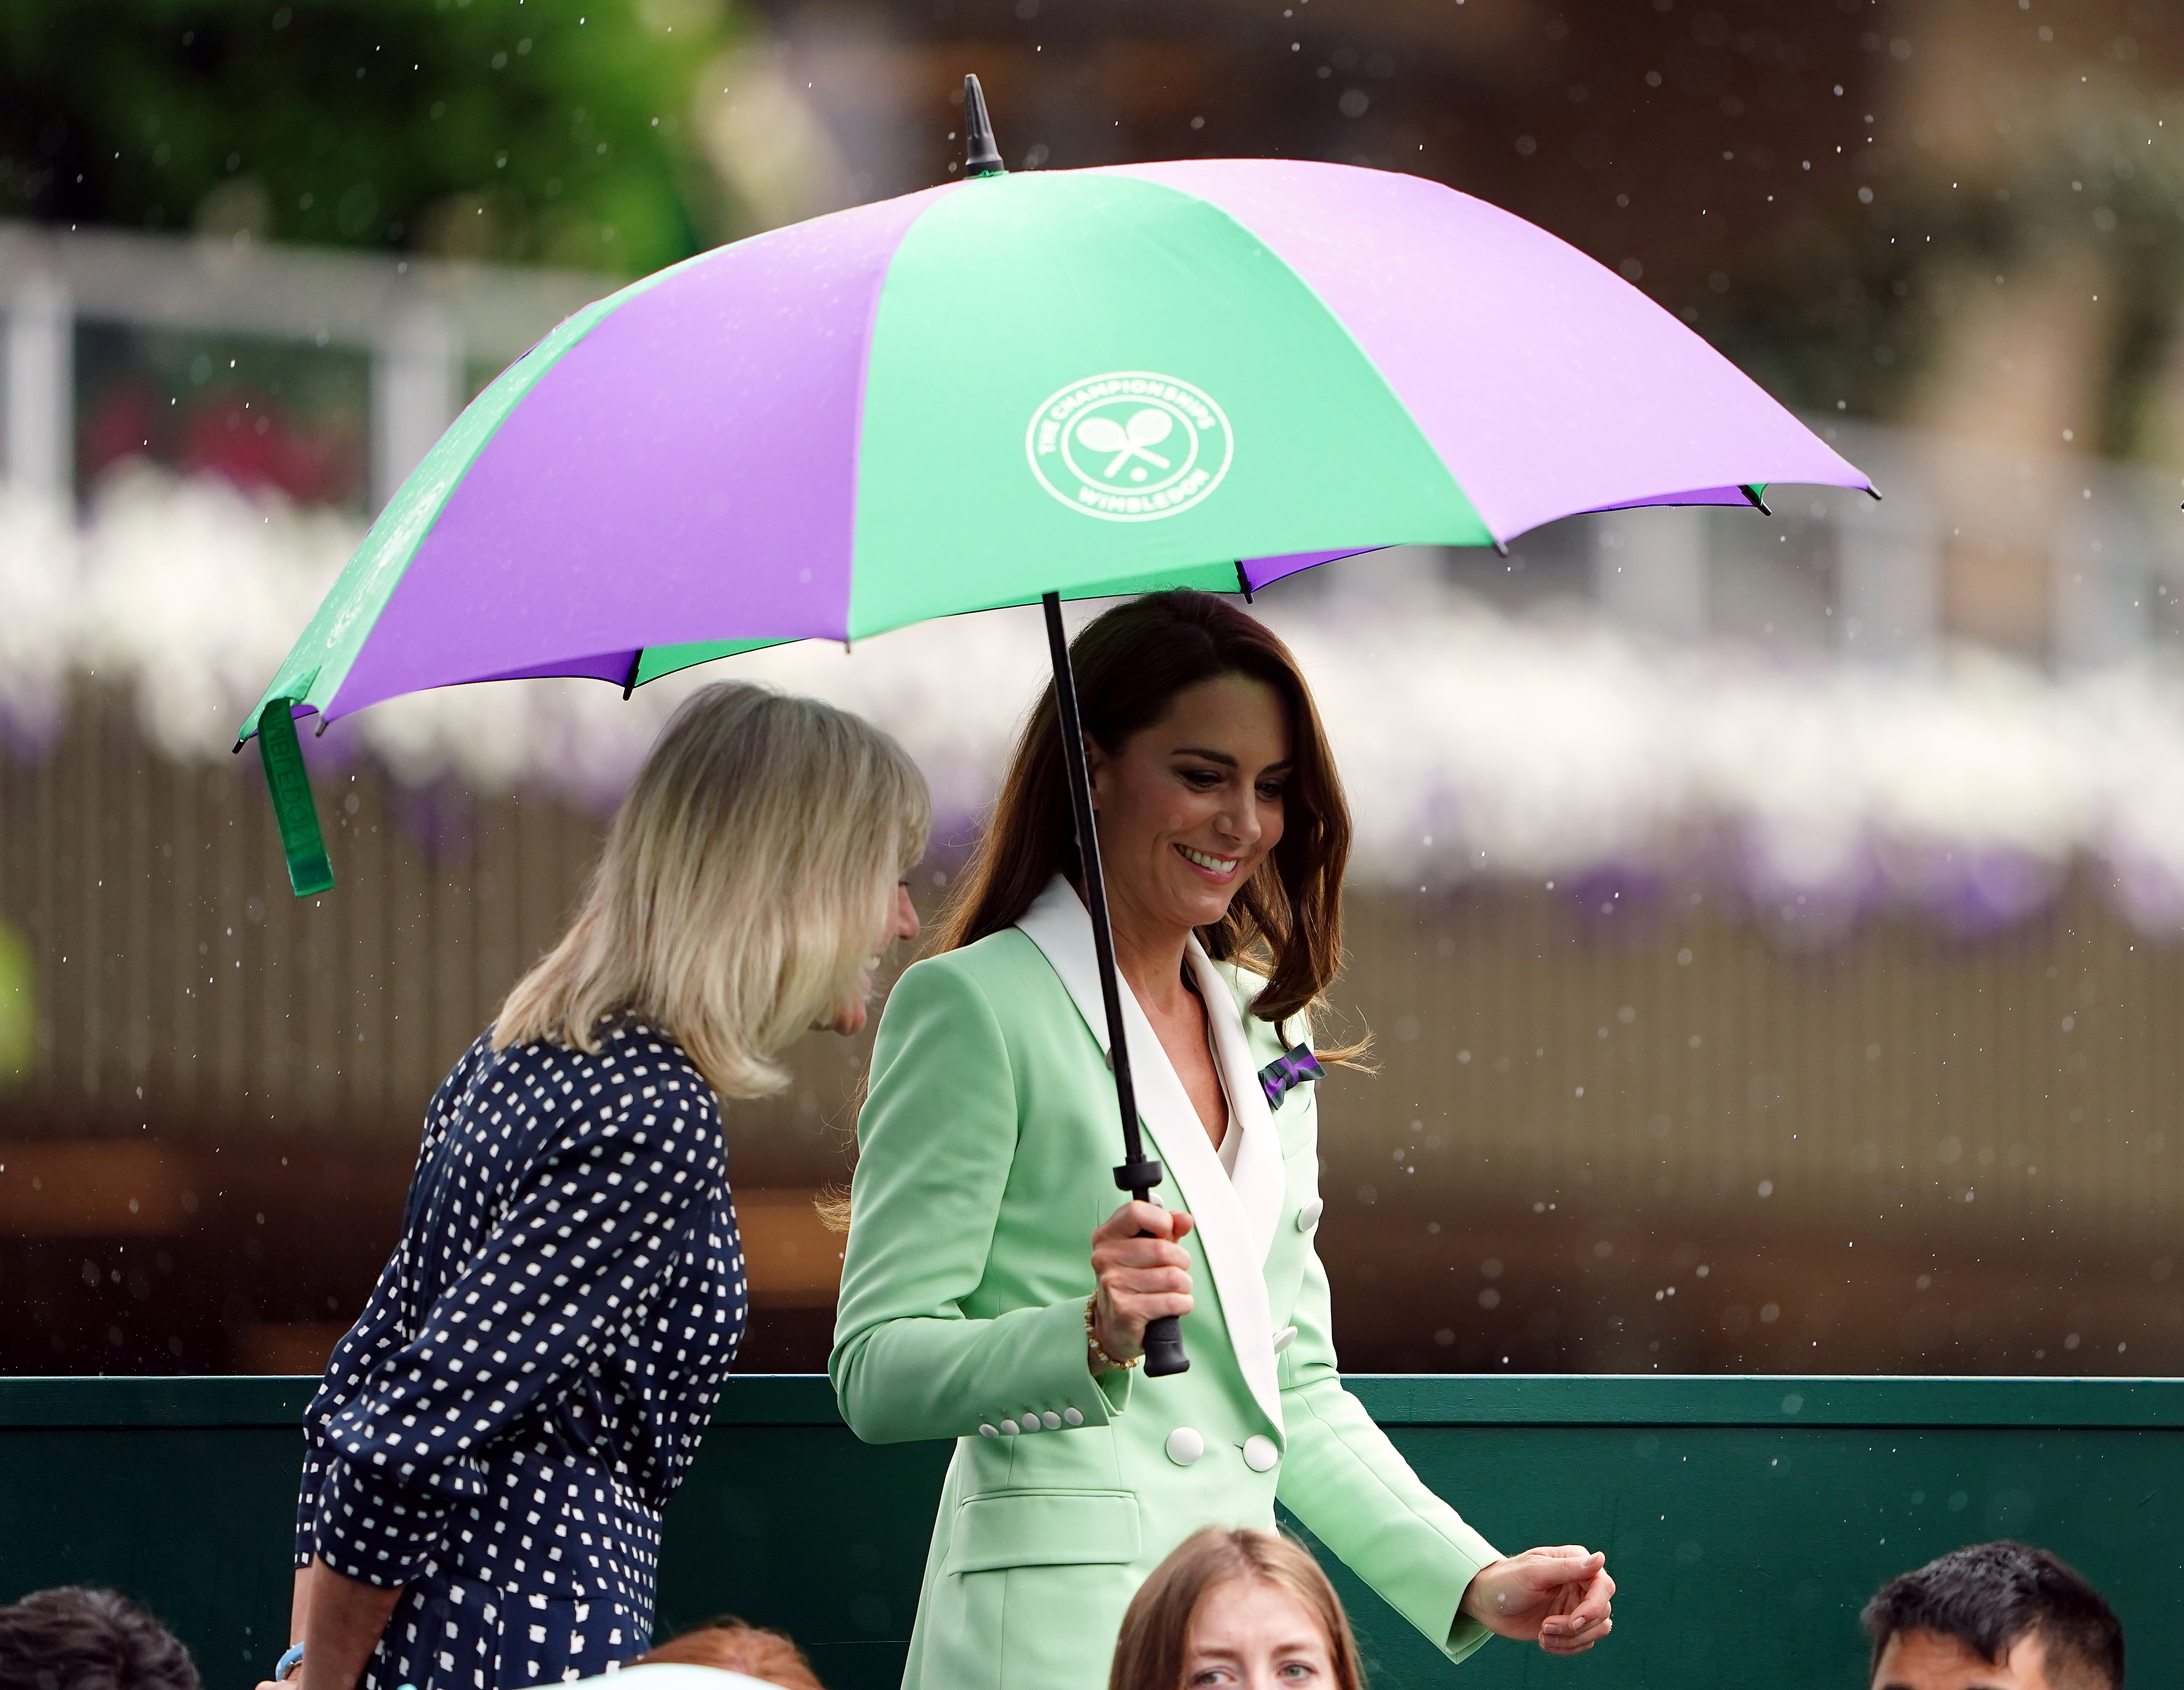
1160, 680
1993, 1616
69, 1638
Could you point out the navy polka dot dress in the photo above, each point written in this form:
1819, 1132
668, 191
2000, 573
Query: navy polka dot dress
501, 1428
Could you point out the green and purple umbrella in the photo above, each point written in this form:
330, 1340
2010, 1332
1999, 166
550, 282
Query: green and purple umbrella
1090, 382
1061, 385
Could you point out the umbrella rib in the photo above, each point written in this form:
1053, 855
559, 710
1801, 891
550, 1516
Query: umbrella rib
629, 681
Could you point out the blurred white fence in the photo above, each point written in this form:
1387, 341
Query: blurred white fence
1544, 741
422, 322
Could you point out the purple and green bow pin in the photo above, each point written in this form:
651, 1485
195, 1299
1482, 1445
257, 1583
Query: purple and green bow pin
1066, 384
1288, 1071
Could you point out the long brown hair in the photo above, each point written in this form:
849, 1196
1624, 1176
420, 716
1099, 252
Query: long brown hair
1152, 1650
1131, 661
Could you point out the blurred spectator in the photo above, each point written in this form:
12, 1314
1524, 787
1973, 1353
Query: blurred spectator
70, 1639
734, 1646
1252, 1604
1993, 1616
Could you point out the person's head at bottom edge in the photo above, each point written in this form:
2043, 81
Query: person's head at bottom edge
74, 1638
1236, 1609
1993, 1616
730, 1645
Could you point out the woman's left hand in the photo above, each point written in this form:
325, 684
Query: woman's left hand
1559, 1597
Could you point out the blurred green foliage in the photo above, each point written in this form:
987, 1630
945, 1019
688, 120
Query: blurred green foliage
19, 1019
554, 131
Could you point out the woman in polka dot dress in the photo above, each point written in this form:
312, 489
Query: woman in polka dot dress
496, 1437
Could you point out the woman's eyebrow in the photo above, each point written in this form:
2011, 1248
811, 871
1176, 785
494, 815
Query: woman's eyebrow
1223, 758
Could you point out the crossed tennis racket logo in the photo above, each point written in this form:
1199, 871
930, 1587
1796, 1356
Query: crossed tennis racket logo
1134, 439
1128, 445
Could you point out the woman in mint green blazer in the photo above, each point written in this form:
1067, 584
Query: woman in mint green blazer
970, 1307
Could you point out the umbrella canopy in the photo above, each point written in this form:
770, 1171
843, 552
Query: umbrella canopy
1089, 382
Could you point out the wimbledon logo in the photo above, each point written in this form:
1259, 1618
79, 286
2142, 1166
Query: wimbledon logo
1129, 446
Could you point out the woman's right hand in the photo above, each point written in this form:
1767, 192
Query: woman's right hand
1143, 1271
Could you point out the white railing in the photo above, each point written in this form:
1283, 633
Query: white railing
2070, 560
423, 323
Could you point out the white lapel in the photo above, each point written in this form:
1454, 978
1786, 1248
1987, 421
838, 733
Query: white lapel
1233, 1245
1258, 1181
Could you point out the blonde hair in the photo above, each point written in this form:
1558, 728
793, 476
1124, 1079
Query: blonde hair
744, 885
1152, 1651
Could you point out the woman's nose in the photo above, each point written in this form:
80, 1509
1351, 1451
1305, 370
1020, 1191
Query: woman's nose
1242, 823
905, 914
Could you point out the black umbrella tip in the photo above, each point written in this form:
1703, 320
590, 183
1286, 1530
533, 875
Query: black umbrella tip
981, 156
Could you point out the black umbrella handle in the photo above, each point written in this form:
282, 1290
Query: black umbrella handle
1137, 1174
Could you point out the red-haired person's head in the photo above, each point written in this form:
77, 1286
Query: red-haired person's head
1236, 1609
732, 1646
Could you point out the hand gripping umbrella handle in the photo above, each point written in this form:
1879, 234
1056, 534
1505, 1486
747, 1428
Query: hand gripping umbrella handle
1139, 1174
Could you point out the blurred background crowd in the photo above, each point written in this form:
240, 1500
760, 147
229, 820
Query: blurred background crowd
1773, 950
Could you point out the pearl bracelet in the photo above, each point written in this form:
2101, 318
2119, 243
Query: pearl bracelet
1101, 1361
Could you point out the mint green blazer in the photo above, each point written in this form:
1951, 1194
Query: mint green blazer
987, 1149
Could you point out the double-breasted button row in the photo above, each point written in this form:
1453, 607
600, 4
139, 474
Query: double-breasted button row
1032, 1421
1185, 1444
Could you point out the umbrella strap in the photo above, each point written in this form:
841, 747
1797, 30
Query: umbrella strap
290, 783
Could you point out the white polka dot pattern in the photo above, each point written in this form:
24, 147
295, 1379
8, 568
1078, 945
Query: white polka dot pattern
502, 1427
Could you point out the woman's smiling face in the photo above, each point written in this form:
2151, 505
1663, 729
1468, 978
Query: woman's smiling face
1190, 806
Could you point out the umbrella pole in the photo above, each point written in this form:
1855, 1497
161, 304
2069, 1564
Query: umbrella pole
1139, 1174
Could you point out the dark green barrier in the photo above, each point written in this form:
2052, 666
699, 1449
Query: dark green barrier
1745, 1519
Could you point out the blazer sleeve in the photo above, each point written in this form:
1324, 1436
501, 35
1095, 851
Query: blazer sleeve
1348, 1484
936, 1140
376, 1334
